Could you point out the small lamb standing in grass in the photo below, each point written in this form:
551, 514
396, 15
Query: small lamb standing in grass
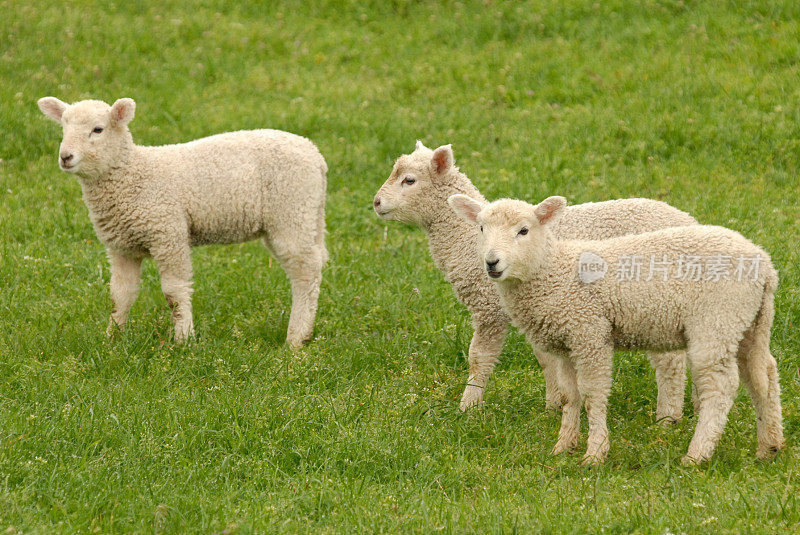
722, 315
158, 202
416, 192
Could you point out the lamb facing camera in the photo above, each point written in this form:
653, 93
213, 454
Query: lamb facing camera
159, 202
707, 290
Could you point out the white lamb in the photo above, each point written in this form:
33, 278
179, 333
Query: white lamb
722, 315
416, 192
158, 202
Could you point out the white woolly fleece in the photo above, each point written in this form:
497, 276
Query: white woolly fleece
416, 192
159, 201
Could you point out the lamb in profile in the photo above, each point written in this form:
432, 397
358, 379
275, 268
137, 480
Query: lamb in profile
708, 290
158, 202
416, 192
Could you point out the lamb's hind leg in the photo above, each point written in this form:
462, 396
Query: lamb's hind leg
484, 350
759, 371
303, 266
670, 368
716, 378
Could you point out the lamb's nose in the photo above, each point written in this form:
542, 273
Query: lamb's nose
376, 202
491, 264
65, 157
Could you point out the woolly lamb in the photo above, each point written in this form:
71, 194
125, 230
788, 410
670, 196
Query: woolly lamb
721, 316
416, 192
160, 201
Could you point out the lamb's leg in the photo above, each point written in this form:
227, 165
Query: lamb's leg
554, 397
303, 265
593, 372
125, 279
570, 430
670, 370
715, 375
759, 371
175, 269
484, 350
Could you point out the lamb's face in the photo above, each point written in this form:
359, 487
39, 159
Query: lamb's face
513, 235
511, 238
94, 133
410, 194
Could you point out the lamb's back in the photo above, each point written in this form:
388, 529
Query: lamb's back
609, 219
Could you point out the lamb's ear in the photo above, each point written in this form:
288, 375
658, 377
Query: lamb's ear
52, 107
122, 111
442, 160
549, 209
466, 207
419, 146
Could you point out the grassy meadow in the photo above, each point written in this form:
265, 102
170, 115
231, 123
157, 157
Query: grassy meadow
694, 103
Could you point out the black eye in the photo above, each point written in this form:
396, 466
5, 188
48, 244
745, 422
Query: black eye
409, 180
97, 129
523, 231
481, 228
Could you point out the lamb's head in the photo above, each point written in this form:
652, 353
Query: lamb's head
96, 135
514, 234
416, 191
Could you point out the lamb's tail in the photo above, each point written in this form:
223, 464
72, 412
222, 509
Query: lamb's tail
321, 231
762, 325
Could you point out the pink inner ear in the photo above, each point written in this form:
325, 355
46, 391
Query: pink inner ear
544, 212
119, 112
440, 158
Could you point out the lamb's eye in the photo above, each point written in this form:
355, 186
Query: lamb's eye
523, 231
97, 130
481, 228
409, 180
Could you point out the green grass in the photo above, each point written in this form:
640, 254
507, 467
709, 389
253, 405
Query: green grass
696, 103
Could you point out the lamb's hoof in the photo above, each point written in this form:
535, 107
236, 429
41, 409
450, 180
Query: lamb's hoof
667, 421
590, 460
294, 344
472, 398
768, 452
563, 446
184, 335
691, 461
113, 328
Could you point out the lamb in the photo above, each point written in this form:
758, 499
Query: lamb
416, 192
160, 201
722, 316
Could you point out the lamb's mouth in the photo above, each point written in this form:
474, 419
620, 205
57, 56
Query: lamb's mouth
383, 213
495, 274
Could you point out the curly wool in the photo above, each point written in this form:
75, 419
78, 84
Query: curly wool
452, 243
722, 322
159, 201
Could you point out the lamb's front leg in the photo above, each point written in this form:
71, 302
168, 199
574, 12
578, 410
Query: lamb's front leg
484, 350
175, 269
125, 280
593, 364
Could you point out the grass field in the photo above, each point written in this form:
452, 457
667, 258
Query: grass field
695, 103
